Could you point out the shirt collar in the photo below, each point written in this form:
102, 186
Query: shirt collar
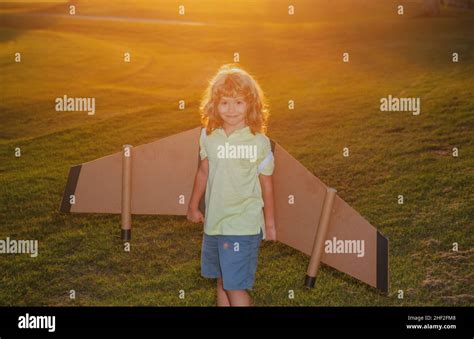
241, 130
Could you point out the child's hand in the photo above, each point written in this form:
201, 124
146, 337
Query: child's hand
195, 215
270, 233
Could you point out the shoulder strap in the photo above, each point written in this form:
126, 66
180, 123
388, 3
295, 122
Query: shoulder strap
264, 162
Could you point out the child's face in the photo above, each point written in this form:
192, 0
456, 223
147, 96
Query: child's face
232, 110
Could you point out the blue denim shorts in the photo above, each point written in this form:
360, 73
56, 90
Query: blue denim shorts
232, 257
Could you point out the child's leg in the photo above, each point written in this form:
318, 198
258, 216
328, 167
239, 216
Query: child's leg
239, 298
222, 299
238, 256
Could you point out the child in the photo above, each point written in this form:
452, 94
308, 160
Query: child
235, 172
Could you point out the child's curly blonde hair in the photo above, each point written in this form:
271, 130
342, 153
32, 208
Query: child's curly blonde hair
233, 81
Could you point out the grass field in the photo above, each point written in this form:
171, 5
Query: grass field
294, 57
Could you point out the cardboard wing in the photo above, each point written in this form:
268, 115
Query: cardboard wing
161, 181
299, 202
162, 177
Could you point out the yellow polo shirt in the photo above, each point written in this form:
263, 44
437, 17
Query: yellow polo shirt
233, 194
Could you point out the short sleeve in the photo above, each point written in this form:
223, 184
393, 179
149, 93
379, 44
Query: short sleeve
266, 162
202, 146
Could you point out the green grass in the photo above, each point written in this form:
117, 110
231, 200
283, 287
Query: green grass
299, 58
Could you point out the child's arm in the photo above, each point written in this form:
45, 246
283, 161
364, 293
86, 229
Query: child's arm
266, 182
199, 187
